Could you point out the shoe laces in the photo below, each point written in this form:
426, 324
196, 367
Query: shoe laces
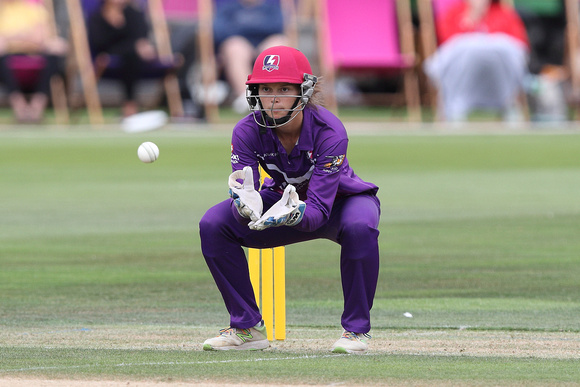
227, 331
354, 335
232, 331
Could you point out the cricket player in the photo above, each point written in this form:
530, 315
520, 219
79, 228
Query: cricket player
313, 193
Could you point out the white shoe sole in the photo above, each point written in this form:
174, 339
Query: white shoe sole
251, 346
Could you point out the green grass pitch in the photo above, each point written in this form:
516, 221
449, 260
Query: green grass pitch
102, 278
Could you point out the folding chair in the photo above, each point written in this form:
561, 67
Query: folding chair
198, 12
209, 64
572, 56
90, 72
371, 36
184, 10
183, 22
428, 12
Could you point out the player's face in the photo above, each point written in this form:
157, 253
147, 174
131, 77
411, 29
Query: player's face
278, 98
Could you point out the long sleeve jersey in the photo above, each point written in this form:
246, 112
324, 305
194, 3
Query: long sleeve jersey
317, 166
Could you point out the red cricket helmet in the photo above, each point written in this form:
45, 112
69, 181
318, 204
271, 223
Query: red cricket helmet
280, 64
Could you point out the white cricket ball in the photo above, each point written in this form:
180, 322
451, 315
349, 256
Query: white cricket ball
148, 152
408, 315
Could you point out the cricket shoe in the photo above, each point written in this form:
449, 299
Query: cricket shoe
254, 338
351, 342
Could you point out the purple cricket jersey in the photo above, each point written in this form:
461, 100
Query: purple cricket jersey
317, 166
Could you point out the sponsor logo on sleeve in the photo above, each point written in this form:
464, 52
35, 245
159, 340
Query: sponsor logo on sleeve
334, 164
234, 158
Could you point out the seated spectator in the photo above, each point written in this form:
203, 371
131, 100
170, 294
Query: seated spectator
547, 89
120, 28
183, 24
546, 26
482, 59
243, 29
26, 30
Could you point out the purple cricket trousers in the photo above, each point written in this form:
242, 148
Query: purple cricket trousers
353, 224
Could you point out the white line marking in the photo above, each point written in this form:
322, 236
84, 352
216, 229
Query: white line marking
170, 363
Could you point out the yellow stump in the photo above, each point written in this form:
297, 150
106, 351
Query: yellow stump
280, 293
254, 266
270, 288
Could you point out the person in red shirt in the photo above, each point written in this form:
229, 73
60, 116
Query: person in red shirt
481, 61
481, 16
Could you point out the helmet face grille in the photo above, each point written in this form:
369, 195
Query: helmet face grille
306, 91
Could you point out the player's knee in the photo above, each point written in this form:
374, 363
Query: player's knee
210, 224
359, 243
205, 226
212, 235
359, 232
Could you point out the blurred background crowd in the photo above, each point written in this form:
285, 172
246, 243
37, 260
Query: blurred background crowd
434, 60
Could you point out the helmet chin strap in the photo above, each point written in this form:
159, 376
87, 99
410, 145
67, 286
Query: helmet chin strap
276, 122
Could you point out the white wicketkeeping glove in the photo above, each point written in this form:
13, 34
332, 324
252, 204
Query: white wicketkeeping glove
288, 211
247, 200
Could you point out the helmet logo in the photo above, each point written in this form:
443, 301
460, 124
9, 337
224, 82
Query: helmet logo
271, 62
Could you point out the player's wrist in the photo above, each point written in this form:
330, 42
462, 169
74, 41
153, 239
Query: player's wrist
296, 216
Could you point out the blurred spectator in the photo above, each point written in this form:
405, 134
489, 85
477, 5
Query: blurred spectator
545, 21
243, 29
120, 28
26, 33
481, 62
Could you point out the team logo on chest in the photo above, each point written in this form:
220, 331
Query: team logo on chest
271, 62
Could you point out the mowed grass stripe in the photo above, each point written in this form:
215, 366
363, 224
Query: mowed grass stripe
242, 368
